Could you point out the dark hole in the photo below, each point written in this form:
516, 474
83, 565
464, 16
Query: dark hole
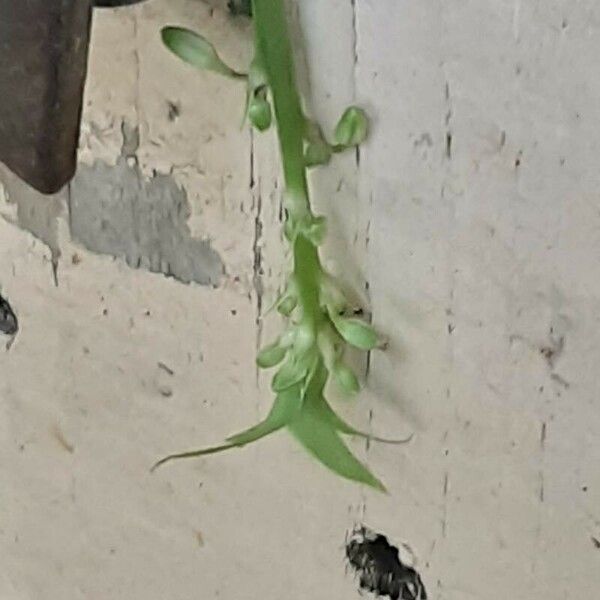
379, 568
240, 7
8, 320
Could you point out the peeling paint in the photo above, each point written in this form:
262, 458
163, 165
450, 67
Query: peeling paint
35, 212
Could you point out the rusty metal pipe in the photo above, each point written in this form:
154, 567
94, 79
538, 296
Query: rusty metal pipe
43, 61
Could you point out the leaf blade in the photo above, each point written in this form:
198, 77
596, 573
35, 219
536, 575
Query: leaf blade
191, 454
329, 415
195, 50
323, 442
284, 409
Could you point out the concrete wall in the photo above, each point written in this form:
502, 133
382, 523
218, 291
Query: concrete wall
470, 225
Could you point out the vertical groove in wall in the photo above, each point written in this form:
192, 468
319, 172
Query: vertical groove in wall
137, 62
257, 256
364, 197
447, 199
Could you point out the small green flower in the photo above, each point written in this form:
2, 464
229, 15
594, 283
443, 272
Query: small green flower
352, 128
259, 111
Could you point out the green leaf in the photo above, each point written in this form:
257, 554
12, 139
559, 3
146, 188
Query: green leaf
346, 378
328, 415
192, 454
356, 332
270, 356
284, 409
196, 51
352, 128
287, 305
324, 443
291, 373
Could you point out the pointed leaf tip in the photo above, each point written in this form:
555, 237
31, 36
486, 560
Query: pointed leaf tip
284, 409
191, 454
324, 443
346, 378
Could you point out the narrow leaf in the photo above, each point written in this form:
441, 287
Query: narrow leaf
287, 305
192, 454
327, 414
346, 378
196, 51
284, 409
324, 443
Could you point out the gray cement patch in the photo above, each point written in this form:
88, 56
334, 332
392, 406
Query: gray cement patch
115, 210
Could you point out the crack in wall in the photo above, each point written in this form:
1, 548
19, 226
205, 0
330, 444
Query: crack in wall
36, 213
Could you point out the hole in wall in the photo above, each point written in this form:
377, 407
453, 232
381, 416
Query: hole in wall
379, 568
9, 324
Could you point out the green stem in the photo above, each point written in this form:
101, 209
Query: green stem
313, 344
307, 271
274, 47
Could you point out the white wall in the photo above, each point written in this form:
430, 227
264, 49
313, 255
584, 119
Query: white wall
473, 216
